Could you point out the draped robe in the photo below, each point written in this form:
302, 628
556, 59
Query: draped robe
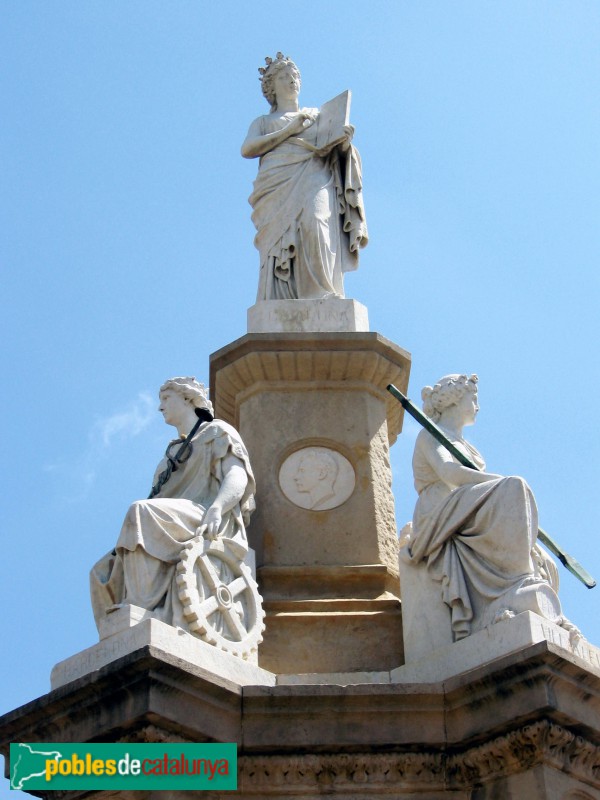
141, 569
308, 213
476, 539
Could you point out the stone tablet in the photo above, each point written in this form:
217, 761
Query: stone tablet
333, 117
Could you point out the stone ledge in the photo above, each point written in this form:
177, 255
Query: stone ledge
496, 641
165, 640
334, 314
356, 606
361, 360
368, 581
537, 708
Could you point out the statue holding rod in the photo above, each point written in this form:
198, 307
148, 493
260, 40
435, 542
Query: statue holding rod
307, 199
474, 531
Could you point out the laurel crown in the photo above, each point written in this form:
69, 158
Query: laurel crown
279, 58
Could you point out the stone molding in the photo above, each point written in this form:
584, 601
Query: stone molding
339, 772
530, 716
153, 734
308, 361
541, 742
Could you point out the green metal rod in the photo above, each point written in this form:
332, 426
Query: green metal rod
565, 559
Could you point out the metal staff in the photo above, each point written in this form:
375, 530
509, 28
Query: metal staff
568, 561
203, 415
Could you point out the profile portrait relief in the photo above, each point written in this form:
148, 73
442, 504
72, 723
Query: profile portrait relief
317, 478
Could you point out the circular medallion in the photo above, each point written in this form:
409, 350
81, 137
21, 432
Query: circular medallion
317, 478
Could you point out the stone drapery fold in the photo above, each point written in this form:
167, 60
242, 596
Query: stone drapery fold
309, 215
141, 570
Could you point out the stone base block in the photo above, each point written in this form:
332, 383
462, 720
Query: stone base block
504, 639
523, 726
317, 420
330, 619
121, 618
426, 619
324, 636
164, 640
507, 637
335, 314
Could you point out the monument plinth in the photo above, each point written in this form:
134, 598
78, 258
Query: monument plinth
318, 422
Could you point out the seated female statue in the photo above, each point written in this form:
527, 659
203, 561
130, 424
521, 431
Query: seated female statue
307, 202
475, 531
209, 493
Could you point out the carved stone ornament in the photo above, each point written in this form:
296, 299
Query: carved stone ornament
387, 774
317, 478
220, 598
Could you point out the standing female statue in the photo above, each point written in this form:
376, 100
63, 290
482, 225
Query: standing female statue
307, 202
200, 506
475, 531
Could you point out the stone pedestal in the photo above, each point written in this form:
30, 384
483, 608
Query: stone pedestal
314, 413
523, 725
291, 316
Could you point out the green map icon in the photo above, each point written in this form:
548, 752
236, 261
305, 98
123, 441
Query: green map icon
27, 763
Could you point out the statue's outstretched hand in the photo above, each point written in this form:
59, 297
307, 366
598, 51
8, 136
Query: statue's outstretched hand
211, 523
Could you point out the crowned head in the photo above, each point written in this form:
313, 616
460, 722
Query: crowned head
268, 73
447, 392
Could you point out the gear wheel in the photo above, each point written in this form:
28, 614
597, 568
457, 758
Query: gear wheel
220, 598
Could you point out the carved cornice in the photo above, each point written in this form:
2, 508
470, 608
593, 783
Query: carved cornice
289, 774
364, 361
362, 775
152, 734
539, 743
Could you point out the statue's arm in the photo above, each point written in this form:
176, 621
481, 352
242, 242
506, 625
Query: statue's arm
446, 468
257, 144
231, 491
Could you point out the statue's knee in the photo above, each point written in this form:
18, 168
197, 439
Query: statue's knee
516, 484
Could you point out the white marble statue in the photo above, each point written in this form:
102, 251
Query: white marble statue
180, 555
307, 199
473, 533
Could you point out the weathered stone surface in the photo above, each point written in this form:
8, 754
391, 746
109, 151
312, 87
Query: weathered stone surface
323, 396
163, 639
307, 359
505, 637
334, 314
524, 726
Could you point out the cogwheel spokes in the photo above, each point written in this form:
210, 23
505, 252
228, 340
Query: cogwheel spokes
225, 611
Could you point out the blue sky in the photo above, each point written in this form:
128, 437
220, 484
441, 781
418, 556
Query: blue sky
127, 255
